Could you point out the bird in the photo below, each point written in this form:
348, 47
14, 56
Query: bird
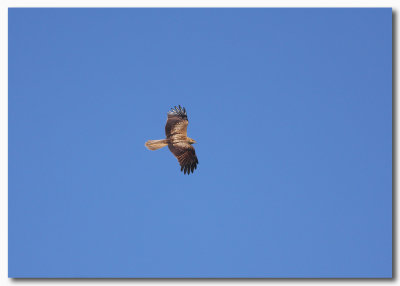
177, 141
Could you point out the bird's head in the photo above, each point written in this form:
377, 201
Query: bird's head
191, 141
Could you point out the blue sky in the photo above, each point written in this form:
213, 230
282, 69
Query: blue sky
292, 112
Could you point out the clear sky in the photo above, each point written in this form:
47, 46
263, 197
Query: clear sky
292, 113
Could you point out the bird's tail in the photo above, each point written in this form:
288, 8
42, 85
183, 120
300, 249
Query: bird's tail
156, 144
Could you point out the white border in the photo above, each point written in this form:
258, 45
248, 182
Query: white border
198, 3
4, 5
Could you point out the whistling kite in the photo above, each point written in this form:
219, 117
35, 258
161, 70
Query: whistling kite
178, 143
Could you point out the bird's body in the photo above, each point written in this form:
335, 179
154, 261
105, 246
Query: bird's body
177, 141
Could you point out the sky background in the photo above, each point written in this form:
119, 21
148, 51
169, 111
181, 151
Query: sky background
292, 112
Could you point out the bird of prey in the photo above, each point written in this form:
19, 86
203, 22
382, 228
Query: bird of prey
178, 143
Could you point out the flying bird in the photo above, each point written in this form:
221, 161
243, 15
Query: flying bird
178, 143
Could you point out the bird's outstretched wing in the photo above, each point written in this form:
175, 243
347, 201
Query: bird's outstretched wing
186, 156
177, 123
176, 132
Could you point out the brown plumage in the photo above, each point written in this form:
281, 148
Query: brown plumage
178, 143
